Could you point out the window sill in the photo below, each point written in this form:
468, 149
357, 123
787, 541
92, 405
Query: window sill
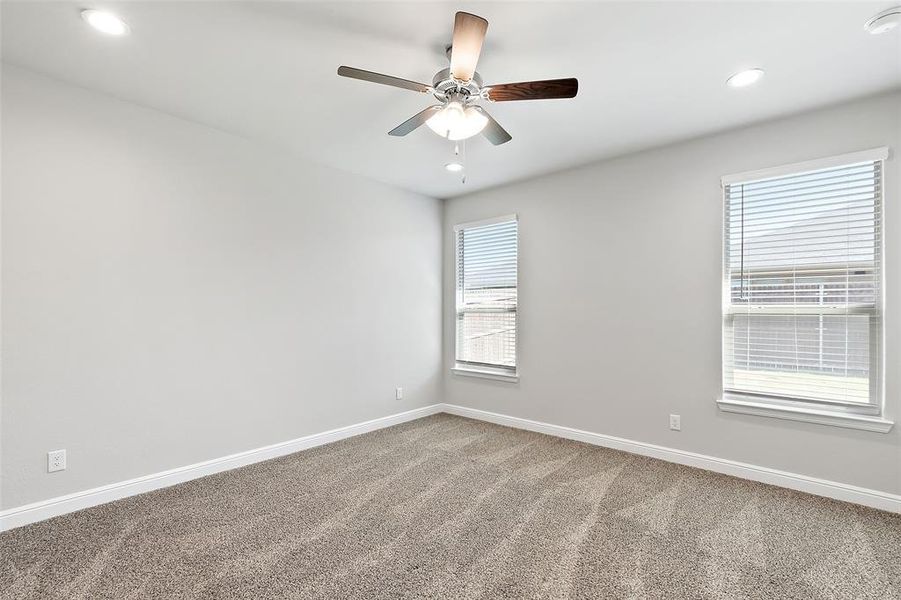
808, 415
485, 374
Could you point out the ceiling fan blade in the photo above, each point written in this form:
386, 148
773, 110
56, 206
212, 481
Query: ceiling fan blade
469, 33
533, 90
414, 121
496, 134
383, 79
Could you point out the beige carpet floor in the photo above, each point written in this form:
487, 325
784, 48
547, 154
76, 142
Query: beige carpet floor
446, 507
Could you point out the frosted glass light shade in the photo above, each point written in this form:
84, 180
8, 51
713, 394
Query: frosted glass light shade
456, 123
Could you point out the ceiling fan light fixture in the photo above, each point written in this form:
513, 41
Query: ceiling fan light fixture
454, 167
475, 121
456, 123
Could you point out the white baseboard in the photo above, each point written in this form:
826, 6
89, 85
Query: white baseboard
45, 509
802, 483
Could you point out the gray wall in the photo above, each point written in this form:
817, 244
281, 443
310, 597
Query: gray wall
173, 294
620, 288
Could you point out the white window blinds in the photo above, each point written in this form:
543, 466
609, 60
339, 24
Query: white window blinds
802, 289
486, 294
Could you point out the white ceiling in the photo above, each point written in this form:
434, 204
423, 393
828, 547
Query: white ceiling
649, 73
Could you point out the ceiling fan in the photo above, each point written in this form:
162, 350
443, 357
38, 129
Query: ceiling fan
459, 89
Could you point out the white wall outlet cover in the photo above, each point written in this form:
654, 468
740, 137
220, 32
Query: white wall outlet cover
399, 393
675, 422
56, 461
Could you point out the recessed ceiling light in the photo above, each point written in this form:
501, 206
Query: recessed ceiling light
105, 22
454, 167
884, 21
745, 78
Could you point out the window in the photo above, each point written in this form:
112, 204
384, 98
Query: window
802, 316
486, 297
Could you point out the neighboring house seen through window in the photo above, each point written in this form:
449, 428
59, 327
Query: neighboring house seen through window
802, 297
486, 298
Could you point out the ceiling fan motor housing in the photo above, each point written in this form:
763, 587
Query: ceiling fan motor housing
446, 87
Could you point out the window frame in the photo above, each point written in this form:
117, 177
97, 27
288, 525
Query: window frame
471, 368
868, 416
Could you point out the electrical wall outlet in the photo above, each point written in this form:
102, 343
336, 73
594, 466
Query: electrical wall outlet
675, 422
399, 393
56, 461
